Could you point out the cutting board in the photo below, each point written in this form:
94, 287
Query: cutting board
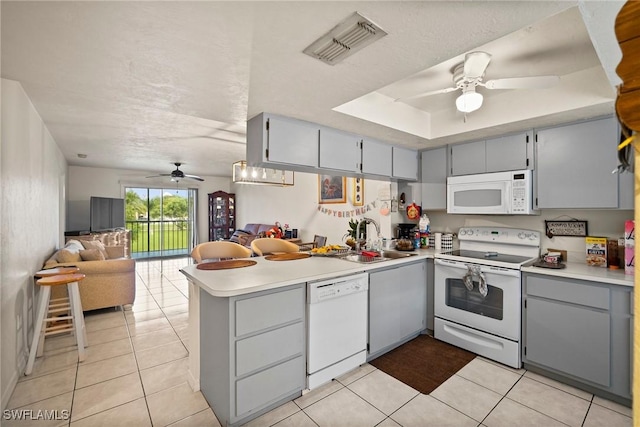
225, 265
287, 257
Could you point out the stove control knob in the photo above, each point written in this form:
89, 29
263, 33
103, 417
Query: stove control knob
532, 236
470, 232
521, 235
463, 231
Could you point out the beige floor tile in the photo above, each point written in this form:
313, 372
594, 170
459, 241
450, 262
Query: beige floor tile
317, 394
154, 339
520, 371
343, 405
201, 419
489, 375
144, 299
356, 373
600, 416
107, 335
93, 373
134, 413
425, 410
52, 362
162, 354
561, 386
383, 391
104, 322
164, 293
180, 319
102, 315
550, 401
185, 342
173, 404
182, 331
467, 397
144, 306
106, 395
137, 328
143, 316
59, 344
176, 309
172, 302
274, 416
108, 350
58, 409
299, 419
388, 422
624, 410
44, 387
509, 414
165, 376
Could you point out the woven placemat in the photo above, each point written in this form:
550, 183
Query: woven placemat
224, 265
287, 256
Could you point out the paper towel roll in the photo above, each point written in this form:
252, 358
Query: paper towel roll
438, 241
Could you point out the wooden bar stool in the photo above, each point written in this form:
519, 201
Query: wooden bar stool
74, 305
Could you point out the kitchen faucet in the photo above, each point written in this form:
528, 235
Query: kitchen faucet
364, 221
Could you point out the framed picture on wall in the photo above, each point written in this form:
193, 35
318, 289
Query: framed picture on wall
331, 189
357, 192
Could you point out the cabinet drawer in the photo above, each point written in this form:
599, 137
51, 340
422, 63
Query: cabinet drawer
576, 292
266, 311
265, 349
256, 391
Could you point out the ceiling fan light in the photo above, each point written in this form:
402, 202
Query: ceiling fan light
469, 101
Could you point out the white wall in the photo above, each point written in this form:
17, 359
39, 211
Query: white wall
33, 175
298, 206
85, 182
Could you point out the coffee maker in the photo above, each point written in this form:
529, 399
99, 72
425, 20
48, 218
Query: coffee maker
405, 230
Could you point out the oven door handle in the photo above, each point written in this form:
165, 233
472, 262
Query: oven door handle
486, 269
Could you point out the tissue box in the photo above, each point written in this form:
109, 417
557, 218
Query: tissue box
629, 246
596, 251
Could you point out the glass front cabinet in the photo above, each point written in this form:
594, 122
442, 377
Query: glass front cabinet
222, 215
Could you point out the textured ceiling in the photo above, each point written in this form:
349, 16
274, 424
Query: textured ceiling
140, 85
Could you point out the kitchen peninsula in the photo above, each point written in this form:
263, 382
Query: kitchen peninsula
247, 329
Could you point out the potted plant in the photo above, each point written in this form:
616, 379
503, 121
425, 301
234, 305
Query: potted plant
351, 235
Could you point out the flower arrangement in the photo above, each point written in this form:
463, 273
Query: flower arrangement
275, 232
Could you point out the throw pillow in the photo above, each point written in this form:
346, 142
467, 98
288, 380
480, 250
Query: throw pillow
68, 256
92, 255
95, 244
237, 235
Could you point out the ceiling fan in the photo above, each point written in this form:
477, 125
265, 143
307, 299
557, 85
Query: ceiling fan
177, 175
469, 74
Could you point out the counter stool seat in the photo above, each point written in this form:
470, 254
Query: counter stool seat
72, 304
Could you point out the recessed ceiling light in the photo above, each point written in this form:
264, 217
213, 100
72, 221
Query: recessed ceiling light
82, 156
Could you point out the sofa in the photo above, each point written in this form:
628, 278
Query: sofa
110, 276
249, 232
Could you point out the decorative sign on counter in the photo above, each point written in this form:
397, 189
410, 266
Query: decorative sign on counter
573, 228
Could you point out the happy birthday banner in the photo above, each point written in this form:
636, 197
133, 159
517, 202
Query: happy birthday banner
347, 213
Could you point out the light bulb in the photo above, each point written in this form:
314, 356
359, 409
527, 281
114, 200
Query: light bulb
244, 173
254, 173
469, 101
264, 173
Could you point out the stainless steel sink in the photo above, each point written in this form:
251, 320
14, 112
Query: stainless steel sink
384, 256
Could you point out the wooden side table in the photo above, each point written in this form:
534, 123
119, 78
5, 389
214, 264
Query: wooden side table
40, 328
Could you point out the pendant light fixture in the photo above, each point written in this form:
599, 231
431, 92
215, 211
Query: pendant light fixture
244, 174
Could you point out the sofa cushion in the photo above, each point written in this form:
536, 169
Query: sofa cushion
237, 234
66, 255
96, 244
91, 255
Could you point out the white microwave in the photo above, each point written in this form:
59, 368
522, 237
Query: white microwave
498, 193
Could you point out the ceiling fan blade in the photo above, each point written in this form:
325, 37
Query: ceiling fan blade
535, 82
475, 64
197, 178
433, 92
159, 175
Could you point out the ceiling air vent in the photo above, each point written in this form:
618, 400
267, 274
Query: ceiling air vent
346, 38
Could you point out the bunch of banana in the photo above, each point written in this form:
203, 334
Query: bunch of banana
326, 249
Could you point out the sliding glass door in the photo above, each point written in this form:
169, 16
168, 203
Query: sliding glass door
162, 221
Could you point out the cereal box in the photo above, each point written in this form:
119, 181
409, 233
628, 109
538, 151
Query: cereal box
629, 246
596, 251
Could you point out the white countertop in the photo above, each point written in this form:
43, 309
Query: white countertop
576, 270
274, 274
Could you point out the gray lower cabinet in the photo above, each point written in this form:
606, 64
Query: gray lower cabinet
397, 306
579, 331
252, 351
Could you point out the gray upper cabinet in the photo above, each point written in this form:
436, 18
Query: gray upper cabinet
510, 152
433, 165
405, 164
274, 139
376, 157
574, 164
339, 150
505, 153
468, 158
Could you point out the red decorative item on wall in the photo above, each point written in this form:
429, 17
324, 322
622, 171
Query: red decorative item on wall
413, 211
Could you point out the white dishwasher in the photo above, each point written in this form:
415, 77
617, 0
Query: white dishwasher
337, 315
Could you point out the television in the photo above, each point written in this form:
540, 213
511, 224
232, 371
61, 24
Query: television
106, 213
